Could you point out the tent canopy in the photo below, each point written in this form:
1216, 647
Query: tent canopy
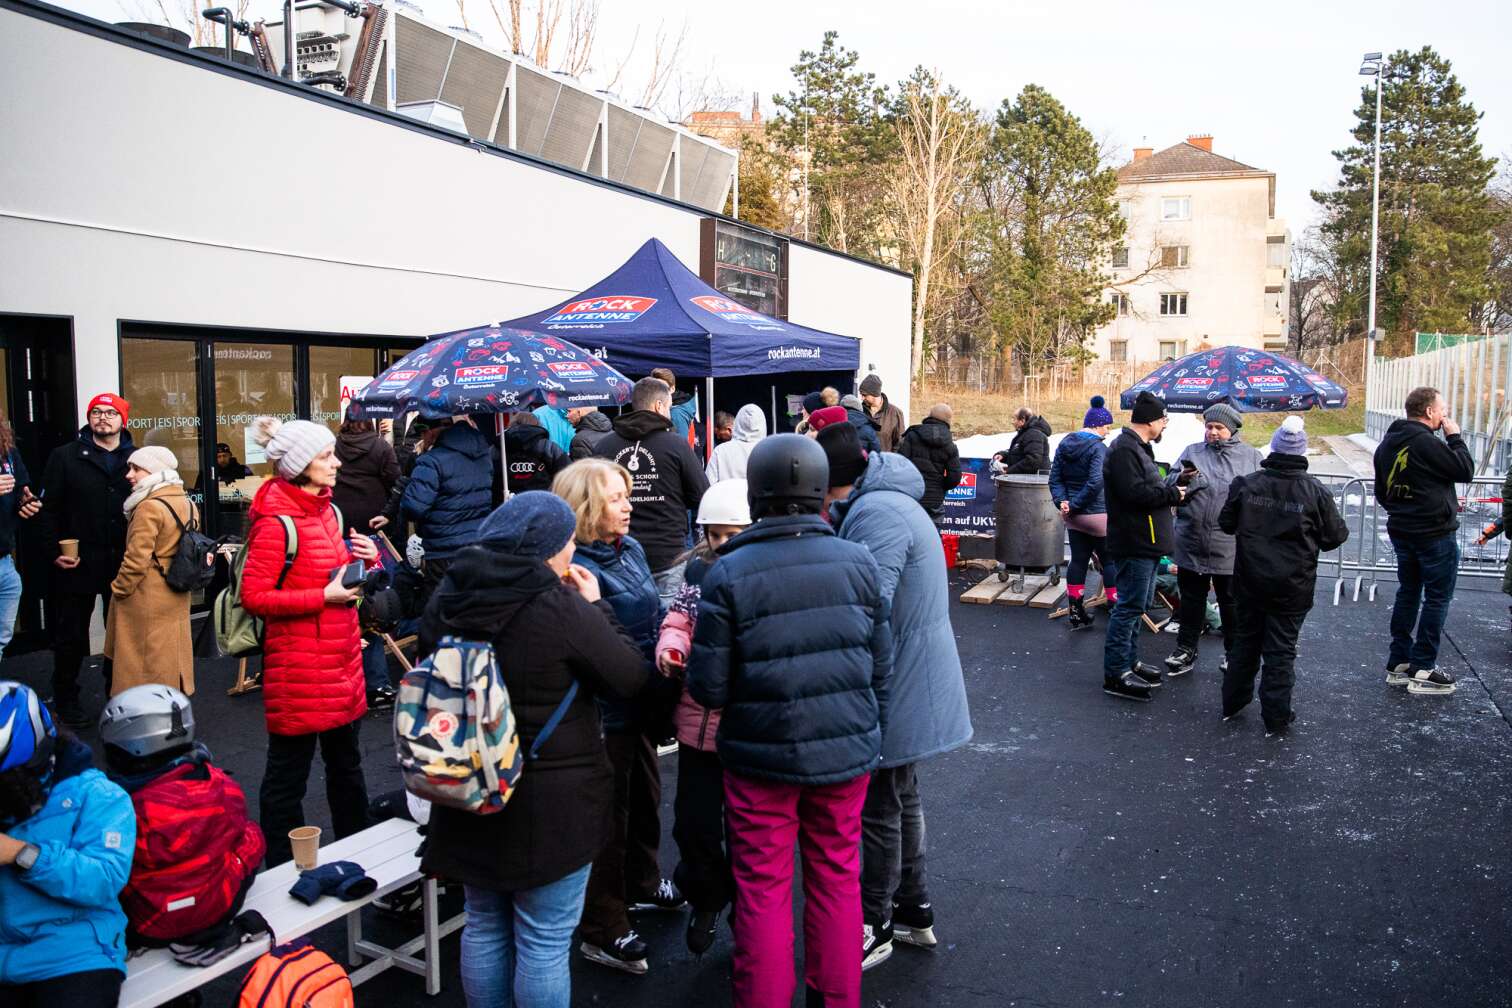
655, 312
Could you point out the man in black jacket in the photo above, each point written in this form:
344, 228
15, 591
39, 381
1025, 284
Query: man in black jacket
932, 450
1030, 451
1140, 532
1281, 518
591, 427
668, 480
83, 489
534, 459
1415, 477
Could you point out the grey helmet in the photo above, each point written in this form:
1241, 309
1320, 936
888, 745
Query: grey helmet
147, 720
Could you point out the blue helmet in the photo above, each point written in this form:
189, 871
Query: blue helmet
26, 729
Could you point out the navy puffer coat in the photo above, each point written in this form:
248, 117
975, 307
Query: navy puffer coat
793, 641
450, 491
1076, 475
625, 583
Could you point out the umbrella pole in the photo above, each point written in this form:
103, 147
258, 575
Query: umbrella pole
709, 425
501, 426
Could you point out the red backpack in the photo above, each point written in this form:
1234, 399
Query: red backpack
196, 854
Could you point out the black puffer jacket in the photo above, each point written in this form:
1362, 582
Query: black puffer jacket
369, 470
450, 491
591, 429
669, 482
1139, 502
83, 489
1281, 518
932, 450
534, 459
545, 636
1030, 451
793, 641
1415, 474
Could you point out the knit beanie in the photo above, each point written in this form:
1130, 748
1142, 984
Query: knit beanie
842, 446
1290, 438
1148, 408
829, 415
851, 402
533, 524
291, 446
1098, 415
871, 385
110, 401
1225, 414
153, 459
813, 403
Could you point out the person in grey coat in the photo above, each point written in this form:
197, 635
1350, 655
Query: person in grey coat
874, 501
1204, 553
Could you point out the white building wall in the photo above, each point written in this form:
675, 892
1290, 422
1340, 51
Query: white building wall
278, 212
1227, 277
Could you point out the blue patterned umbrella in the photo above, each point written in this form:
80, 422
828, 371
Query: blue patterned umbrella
1252, 381
492, 370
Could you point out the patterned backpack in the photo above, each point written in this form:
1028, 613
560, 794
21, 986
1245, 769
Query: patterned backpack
454, 729
296, 975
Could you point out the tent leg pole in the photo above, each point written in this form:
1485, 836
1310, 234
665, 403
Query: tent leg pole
500, 426
774, 409
709, 427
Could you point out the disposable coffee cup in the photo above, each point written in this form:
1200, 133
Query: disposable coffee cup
70, 547
306, 843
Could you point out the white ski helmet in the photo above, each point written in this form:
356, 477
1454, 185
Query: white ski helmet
725, 503
147, 720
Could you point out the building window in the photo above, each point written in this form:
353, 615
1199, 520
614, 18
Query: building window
1273, 300
1121, 257
1118, 351
1275, 252
1175, 256
1120, 303
1175, 208
1171, 349
1173, 304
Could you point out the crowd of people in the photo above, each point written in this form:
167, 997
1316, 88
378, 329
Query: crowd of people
634, 595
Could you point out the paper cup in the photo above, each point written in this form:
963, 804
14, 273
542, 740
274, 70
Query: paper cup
306, 843
70, 547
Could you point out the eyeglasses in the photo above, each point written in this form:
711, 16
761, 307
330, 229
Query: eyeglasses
104, 414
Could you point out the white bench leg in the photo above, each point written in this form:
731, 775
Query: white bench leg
354, 937
432, 938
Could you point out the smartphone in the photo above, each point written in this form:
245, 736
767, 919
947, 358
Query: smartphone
1189, 465
351, 575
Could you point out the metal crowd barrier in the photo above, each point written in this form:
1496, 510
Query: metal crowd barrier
1369, 552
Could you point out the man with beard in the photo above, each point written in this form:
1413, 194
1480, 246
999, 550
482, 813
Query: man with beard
1140, 532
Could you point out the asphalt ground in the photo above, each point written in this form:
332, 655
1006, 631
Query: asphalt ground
1086, 850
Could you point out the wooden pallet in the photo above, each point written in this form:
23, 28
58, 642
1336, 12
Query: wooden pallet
1049, 597
985, 592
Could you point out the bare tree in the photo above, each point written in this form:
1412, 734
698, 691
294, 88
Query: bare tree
184, 15
940, 140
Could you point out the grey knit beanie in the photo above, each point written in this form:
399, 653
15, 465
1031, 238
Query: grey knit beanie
1225, 414
291, 446
871, 385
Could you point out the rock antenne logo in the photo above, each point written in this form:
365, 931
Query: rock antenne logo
397, 378
964, 490
601, 310
485, 374
572, 371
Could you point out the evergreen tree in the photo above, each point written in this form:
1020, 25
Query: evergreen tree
763, 176
1051, 218
1436, 214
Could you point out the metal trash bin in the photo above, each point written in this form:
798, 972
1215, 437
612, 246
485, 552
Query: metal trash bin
1030, 533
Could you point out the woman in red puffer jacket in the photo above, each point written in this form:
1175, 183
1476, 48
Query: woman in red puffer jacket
313, 689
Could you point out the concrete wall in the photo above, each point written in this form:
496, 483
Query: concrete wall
139, 187
1227, 278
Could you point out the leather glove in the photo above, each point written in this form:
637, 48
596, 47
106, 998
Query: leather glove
245, 927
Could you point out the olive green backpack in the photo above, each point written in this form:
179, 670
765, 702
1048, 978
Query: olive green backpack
239, 633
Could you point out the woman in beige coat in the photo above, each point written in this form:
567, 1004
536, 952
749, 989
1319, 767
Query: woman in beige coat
147, 634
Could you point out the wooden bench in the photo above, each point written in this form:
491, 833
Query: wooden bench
385, 851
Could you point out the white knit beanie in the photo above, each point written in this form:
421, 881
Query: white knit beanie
153, 459
291, 446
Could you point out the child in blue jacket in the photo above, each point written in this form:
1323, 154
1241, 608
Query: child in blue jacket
66, 840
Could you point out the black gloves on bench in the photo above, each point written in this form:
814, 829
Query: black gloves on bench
344, 879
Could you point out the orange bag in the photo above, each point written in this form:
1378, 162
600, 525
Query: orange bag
297, 975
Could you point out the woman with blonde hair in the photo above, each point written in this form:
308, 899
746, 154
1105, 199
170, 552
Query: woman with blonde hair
147, 630
626, 875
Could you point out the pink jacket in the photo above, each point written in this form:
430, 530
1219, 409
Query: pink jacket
696, 725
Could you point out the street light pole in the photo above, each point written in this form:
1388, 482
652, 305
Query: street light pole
1374, 65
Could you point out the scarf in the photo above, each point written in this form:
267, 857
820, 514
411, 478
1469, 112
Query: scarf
147, 484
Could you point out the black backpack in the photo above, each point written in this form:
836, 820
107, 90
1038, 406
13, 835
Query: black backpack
193, 563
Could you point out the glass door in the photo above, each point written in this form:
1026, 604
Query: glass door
162, 381
251, 380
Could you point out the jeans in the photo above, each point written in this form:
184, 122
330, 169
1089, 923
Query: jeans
1426, 572
698, 827
1136, 579
515, 946
281, 797
892, 843
1193, 614
72, 612
1259, 634
375, 671
627, 868
89, 989
10, 599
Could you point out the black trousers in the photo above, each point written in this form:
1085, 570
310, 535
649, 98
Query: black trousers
281, 797
703, 867
893, 843
71, 613
1269, 638
90, 989
627, 867
1193, 612
1083, 546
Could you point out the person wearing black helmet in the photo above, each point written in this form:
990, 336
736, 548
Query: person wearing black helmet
802, 724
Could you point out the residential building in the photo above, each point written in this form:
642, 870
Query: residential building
1204, 261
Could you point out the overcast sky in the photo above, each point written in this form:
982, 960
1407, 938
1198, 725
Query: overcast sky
1274, 83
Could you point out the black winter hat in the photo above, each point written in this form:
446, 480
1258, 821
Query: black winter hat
1148, 408
871, 385
813, 402
842, 446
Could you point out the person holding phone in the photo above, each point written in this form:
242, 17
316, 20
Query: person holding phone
16, 502
313, 688
1204, 554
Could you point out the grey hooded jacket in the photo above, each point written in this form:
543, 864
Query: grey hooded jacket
926, 700
729, 461
1201, 546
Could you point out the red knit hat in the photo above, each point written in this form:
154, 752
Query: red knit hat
820, 419
111, 401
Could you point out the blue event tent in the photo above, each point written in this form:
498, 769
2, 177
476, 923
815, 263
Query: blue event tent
655, 312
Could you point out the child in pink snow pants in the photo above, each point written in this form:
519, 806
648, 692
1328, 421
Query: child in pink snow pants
793, 641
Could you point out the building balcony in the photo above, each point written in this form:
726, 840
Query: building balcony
1275, 276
